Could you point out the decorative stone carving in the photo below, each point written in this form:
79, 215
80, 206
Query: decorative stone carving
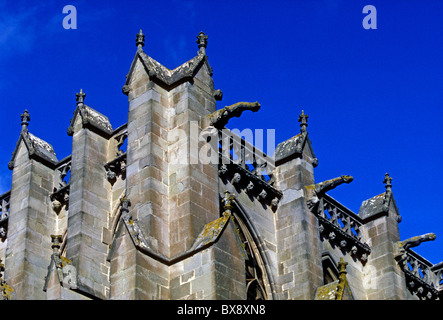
66, 272
126, 89
36, 147
223, 169
163, 76
402, 254
90, 118
364, 257
25, 120
252, 184
219, 119
227, 201
218, 95
293, 147
202, 41
416, 241
341, 227
140, 40
315, 191
263, 194
354, 250
121, 138
236, 178
115, 168
60, 196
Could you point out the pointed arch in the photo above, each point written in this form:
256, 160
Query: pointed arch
259, 284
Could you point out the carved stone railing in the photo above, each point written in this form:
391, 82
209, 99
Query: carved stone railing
247, 167
423, 279
341, 227
4, 214
438, 271
60, 195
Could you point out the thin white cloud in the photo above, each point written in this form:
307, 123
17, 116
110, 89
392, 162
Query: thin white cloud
17, 28
22, 25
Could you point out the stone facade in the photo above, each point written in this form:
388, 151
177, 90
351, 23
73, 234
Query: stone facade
190, 210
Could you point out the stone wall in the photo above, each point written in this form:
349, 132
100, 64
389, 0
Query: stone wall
154, 221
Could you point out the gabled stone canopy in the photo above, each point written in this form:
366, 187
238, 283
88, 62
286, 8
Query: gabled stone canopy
164, 76
296, 146
37, 148
90, 118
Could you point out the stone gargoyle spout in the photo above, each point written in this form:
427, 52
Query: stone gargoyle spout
315, 191
416, 241
401, 250
220, 118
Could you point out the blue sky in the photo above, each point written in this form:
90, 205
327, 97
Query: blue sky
374, 97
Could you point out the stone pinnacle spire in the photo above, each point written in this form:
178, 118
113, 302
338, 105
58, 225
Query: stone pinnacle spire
140, 40
25, 120
80, 97
202, 41
387, 181
303, 119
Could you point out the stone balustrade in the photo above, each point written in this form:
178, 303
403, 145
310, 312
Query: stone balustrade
247, 167
341, 227
422, 277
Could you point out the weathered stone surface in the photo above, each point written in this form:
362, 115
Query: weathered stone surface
134, 213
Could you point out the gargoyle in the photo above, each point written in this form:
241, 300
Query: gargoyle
416, 241
220, 118
401, 255
315, 190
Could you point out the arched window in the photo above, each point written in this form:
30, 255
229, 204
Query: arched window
256, 275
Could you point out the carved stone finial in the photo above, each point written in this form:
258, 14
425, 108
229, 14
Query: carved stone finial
387, 181
25, 119
56, 240
140, 40
80, 97
343, 282
342, 266
202, 41
303, 119
227, 201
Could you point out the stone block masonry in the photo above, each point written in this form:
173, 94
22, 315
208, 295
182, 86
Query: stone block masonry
135, 214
